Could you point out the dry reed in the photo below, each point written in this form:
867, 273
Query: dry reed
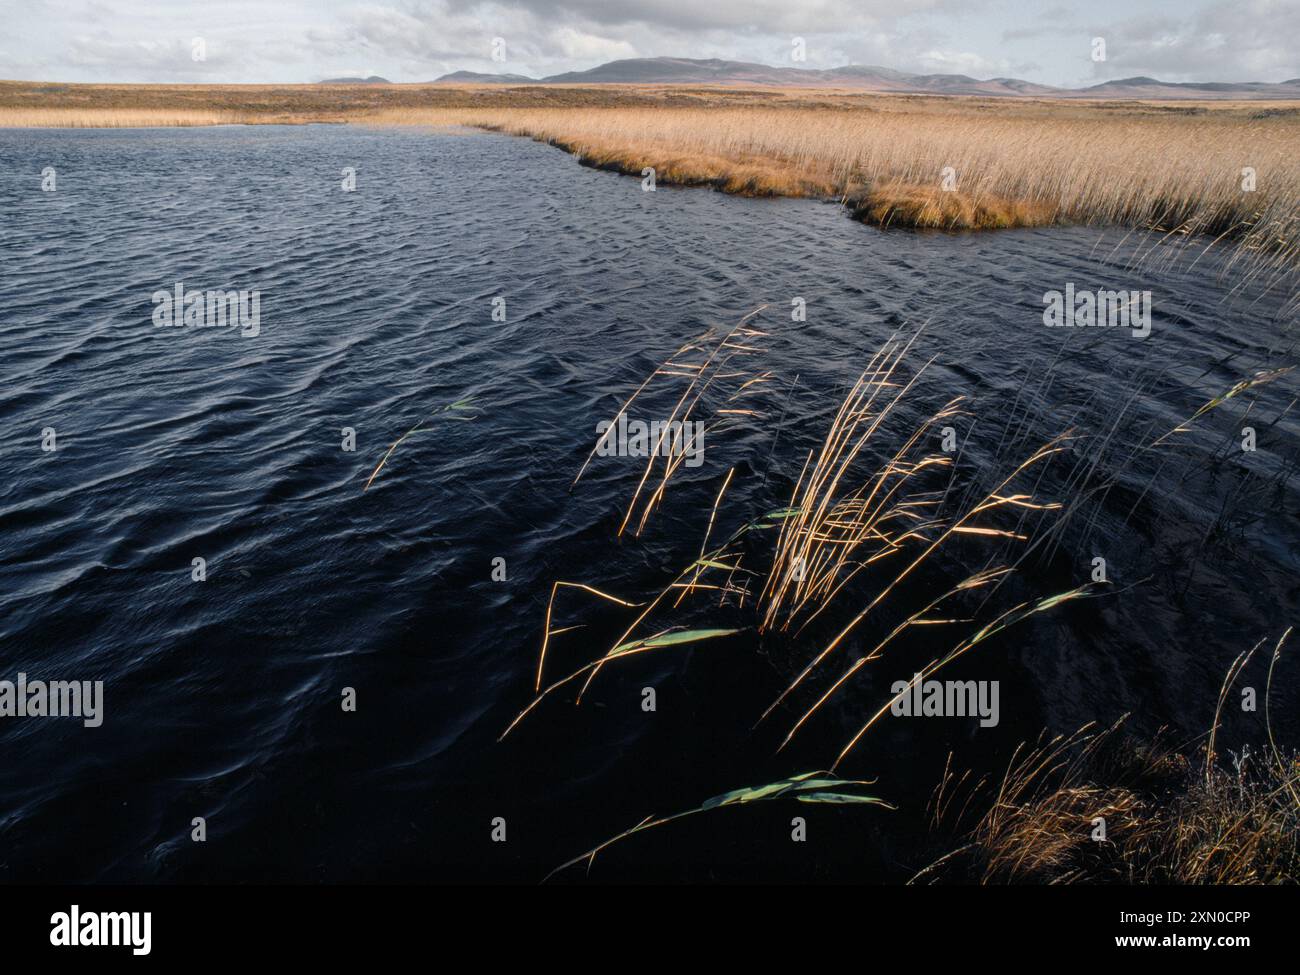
1169, 817
1180, 175
714, 397
838, 523
115, 118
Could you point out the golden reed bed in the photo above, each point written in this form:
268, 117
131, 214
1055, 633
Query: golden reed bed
1194, 172
1231, 175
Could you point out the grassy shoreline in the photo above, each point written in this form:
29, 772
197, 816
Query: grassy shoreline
958, 165
1178, 169
884, 204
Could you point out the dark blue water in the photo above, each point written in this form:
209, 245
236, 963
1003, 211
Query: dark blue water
222, 697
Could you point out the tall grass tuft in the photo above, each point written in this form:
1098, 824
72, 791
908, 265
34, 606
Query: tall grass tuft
844, 517
1170, 817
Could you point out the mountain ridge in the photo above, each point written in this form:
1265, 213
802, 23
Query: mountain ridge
871, 78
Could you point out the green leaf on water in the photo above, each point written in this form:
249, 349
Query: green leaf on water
672, 639
710, 564
1061, 597
745, 795
686, 636
817, 784
782, 513
842, 798
798, 786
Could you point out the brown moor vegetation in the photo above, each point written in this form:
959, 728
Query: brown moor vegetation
1179, 170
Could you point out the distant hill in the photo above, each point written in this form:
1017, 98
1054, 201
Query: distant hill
673, 70
1142, 87
479, 78
374, 79
857, 77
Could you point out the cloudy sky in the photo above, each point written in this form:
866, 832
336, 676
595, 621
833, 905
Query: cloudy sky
418, 40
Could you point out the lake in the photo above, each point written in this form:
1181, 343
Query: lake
477, 269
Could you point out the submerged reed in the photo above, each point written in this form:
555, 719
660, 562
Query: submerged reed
839, 522
855, 540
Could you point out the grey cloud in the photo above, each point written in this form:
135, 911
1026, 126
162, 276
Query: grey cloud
416, 40
813, 16
1241, 40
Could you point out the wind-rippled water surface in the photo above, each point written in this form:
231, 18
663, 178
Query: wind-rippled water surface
222, 697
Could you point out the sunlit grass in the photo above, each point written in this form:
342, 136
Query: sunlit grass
956, 165
1169, 817
114, 118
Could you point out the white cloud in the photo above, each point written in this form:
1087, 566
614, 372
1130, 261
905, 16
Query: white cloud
579, 45
962, 62
416, 40
1227, 40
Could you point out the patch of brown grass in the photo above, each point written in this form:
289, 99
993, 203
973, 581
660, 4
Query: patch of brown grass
893, 204
742, 174
114, 118
1165, 823
1168, 818
1178, 174
889, 203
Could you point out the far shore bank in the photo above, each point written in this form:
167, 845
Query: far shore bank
1186, 170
